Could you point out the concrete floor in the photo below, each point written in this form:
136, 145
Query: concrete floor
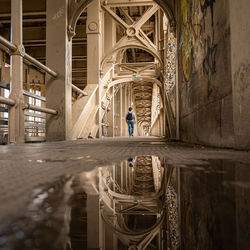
213, 189
25, 168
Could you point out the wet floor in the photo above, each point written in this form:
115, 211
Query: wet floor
140, 203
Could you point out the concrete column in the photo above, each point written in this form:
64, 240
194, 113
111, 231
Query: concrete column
16, 113
94, 53
240, 67
58, 58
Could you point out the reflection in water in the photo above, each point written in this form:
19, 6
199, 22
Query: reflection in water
149, 205
115, 207
133, 206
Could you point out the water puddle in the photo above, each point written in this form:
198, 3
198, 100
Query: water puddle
140, 203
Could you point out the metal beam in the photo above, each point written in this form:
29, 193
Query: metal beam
27, 93
33, 13
13, 48
8, 44
33, 114
122, 3
116, 17
40, 65
41, 109
76, 89
150, 12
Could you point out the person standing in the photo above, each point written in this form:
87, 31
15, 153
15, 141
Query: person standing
130, 119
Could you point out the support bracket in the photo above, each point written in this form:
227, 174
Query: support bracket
76, 7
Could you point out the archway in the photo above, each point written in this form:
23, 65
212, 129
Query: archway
139, 29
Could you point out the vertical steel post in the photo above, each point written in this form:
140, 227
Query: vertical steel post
16, 113
100, 110
121, 110
125, 108
113, 111
94, 53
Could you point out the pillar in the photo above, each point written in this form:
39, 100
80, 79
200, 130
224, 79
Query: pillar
16, 113
125, 109
121, 110
58, 58
113, 111
109, 32
93, 221
94, 53
240, 71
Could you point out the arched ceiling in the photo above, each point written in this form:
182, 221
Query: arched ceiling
132, 59
137, 51
78, 6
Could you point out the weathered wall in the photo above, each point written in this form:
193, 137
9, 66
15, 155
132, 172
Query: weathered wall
240, 57
204, 64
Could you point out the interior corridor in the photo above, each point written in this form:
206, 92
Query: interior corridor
71, 176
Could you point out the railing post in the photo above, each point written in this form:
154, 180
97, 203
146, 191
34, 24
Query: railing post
16, 112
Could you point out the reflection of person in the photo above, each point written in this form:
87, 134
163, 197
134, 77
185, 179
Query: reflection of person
90, 136
130, 119
131, 161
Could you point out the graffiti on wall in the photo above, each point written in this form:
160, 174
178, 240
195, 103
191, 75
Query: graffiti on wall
191, 15
209, 62
205, 4
195, 41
